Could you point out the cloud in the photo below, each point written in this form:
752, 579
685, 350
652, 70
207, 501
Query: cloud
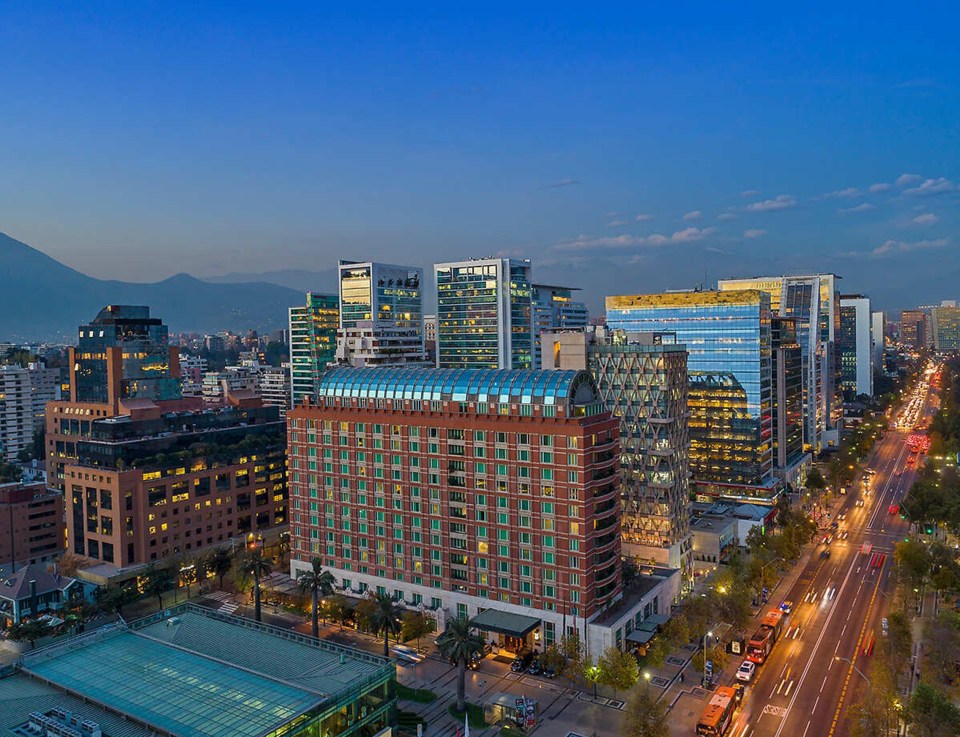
892, 247
932, 186
727, 216
588, 243
904, 179
643, 217
617, 223
612, 214
848, 192
862, 207
927, 218
879, 187
780, 202
750, 193
693, 215
718, 251
754, 233
563, 183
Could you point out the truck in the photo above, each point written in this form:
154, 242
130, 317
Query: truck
766, 636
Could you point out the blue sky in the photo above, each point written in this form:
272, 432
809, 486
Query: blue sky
625, 148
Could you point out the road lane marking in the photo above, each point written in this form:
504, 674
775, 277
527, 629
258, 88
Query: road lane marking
789, 686
815, 704
805, 729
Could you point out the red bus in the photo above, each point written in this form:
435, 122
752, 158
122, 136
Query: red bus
763, 640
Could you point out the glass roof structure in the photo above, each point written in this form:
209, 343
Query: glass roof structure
460, 385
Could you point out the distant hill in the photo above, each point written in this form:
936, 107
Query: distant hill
42, 299
324, 282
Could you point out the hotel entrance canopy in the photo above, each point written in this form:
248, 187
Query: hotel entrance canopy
506, 623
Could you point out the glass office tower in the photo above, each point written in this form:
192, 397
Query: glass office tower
484, 314
728, 341
554, 308
313, 343
377, 292
787, 397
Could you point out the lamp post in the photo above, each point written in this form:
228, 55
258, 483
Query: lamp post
703, 678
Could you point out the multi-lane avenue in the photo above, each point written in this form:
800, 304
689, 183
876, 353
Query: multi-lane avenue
809, 681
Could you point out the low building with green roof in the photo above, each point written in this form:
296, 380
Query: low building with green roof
190, 672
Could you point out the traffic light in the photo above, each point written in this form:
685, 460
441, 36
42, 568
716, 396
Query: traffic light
929, 529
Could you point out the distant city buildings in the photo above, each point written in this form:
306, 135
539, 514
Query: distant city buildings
554, 309
878, 338
642, 378
946, 327
313, 343
915, 329
32, 520
192, 369
484, 314
488, 494
24, 393
855, 344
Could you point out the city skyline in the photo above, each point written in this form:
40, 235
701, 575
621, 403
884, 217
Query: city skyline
645, 154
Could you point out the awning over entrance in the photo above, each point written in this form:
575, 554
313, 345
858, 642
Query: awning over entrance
506, 623
641, 637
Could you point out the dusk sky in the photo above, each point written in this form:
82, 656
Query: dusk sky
636, 149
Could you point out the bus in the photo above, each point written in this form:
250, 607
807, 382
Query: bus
763, 640
717, 717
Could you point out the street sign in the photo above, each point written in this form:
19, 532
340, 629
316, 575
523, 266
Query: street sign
708, 669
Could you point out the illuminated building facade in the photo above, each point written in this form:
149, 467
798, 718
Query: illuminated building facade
642, 378
461, 491
855, 346
946, 328
554, 309
484, 314
914, 331
729, 366
790, 461
313, 343
814, 302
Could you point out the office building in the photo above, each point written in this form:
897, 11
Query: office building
313, 343
813, 301
232, 380
273, 386
855, 346
192, 369
430, 338
471, 492
124, 354
790, 461
188, 671
913, 329
370, 344
642, 378
31, 518
878, 338
729, 369
484, 314
946, 327
554, 309
24, 393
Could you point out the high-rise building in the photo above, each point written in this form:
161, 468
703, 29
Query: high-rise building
642, 378
273, 385
489, 494
124, 354
144, 479
554, 309
24, 393
192, 369
32, 518
430, 338
946, 327
370, 344
729, 368
790, 461
813, 301
313, 343
878, 338
855, 345
484, 314
913, 329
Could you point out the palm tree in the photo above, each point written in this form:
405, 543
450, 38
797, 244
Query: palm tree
318, 583
385, 619
460, 644
255, 565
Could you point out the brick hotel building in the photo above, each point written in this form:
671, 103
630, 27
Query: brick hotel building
467, 491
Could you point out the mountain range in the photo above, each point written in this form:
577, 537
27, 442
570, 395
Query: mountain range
42, 299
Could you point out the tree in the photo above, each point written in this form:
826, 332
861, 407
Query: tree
339, 609
255, 566
913, 564
156, 581
618, 669
318, 583
283, 549
29, 630
385, 619
815, 480
219, 563
932, 712
415, 625
188, 576
645, 715
899, 642
10, 472
944, 632
68, 565
363, 612
115, 596
460, 643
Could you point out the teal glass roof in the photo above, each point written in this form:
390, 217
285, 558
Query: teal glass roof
459, 385
171, 689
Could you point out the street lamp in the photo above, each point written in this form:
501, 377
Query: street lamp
703, 679
859, 672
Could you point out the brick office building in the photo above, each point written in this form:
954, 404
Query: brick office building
467, 491
31, 526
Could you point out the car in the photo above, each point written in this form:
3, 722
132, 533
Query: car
520, 663
549, 671
844, 535
746, 670
473, 663
859, 502
786, 606
842, 516
898, 472
893, 508
535, 669
834, 525
827, 539
825, 554
406, 654
738, 691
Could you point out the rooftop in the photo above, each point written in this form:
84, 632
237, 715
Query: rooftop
17, 586
199, 673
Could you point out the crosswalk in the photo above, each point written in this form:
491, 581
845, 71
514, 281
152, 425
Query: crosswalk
226, 605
